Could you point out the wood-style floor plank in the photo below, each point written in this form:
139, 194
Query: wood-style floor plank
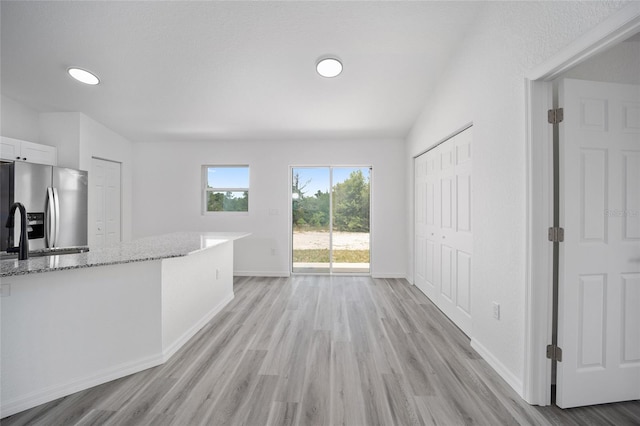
233, 402
282, 414
315, 404
261, 400
315, 350
347, 406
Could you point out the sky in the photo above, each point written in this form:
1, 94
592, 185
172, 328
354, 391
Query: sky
318, 177
228, 177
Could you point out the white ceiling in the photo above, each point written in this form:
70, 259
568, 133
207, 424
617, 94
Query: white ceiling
215, 70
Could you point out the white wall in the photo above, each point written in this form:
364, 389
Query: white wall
167, 188
62, 130
78, 139
484, 84
18, 121
620, 64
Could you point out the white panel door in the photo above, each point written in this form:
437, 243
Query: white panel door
106, 202
420, 214
599, 279
426, 224
112, 203
432, 208
447, 177
455, 230
461, 238
97, 179
443, 227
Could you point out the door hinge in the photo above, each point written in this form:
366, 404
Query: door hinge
555, 116
556, 234
554, 353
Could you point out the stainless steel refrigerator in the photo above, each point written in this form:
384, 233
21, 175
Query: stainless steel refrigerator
55, 199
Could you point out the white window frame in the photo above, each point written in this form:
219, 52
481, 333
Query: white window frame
205, 189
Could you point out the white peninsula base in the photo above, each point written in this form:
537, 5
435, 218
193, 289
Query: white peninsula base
71, 329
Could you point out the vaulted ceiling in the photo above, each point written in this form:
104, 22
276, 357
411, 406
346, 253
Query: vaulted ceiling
211, 70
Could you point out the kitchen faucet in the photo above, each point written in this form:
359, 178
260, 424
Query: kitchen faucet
23, 246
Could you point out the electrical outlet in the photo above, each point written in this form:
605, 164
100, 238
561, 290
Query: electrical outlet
217, 274
496, 310
273, 252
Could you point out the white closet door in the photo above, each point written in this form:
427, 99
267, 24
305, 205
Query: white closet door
443, 208
433, 234
599, 279
420, 219
460, 237
97, 179
447, 227
426, 182
112, 203
106, 202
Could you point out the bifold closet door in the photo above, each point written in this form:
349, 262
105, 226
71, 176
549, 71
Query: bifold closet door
426, 224
443, 239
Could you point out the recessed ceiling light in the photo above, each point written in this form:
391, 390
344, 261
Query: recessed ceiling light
329, 67
83, 76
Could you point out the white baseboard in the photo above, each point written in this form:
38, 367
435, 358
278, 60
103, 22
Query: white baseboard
180, 341
54, 392
279, 274
398, 275
511, 379
286, 274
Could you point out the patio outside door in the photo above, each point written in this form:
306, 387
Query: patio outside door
330, 211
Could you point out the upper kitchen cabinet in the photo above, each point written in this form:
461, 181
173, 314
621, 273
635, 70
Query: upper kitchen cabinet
17, 150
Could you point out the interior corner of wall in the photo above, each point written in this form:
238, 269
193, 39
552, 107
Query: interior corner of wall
512, 379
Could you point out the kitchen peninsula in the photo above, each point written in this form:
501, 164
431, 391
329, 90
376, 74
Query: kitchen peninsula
74, 321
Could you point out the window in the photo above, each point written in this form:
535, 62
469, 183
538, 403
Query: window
225, 188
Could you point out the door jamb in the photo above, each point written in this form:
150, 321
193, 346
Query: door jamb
539, 138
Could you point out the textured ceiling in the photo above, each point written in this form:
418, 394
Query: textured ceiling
210, 70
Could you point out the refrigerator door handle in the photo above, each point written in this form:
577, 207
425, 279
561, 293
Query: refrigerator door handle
56, 205
48, 218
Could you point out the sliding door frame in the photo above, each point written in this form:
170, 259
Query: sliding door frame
290, 216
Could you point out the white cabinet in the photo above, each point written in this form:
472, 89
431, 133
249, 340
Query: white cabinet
9, 149
17, 150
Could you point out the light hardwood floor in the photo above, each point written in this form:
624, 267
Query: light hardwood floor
312, 350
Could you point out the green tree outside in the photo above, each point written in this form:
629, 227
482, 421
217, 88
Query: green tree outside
227, 202
350, 203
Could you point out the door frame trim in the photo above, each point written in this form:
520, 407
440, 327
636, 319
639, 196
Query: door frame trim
539, 138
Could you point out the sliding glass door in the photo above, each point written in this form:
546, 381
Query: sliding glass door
331, 219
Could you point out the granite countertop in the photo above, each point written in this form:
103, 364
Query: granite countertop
150, 248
